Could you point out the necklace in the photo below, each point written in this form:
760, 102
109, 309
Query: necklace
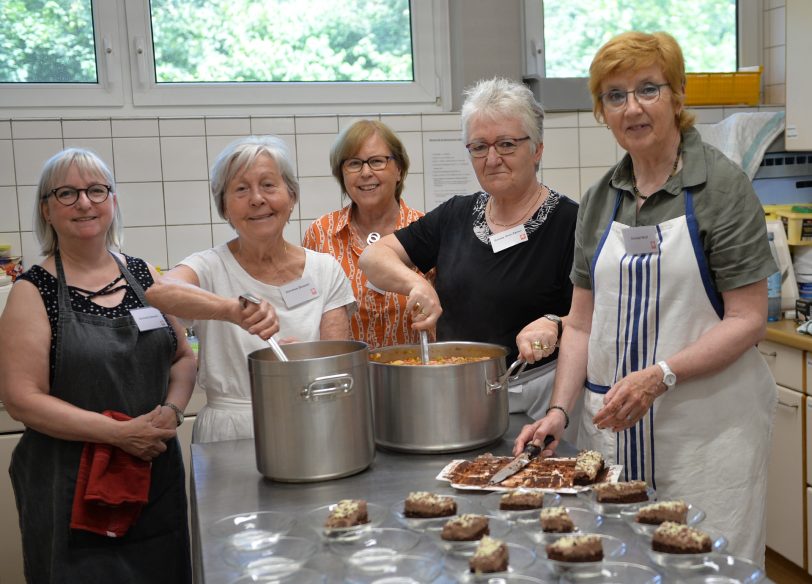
672, 173
520, 219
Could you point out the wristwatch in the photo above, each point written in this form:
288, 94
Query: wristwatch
669, 378
557, 320
178, 412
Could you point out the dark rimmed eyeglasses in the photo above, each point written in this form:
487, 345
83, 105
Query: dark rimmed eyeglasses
69, 195
503, 147
354, 165
645, 94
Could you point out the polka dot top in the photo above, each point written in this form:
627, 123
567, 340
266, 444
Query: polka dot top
48, 284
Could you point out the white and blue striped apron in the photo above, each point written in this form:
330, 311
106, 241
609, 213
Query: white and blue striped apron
707, 440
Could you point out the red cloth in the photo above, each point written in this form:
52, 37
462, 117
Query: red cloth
111, 487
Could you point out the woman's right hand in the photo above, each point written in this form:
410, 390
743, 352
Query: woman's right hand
552, 424
143, 437
258, 319
423, 305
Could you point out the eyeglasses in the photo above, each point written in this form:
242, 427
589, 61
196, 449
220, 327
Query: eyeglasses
645, 94
354, 165
69, 195
503, 147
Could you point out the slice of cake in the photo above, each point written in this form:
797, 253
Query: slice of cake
588, 464
576, 548
424, 504
347, 513
491, 555
521, 500
628, 492
656, 513
673, 538
468, 527
556, 520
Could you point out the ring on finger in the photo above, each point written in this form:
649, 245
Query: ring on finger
537, 346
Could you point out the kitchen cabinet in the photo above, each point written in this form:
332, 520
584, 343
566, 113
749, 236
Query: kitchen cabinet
798, 134
11, 548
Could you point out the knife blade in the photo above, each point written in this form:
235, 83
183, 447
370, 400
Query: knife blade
531, 451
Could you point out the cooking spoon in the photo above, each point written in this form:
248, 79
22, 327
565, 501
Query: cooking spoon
424, 347
277, 350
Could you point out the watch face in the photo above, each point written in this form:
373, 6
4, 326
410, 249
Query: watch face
670, 379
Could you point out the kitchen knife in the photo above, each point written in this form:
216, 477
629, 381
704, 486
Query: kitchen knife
530, 452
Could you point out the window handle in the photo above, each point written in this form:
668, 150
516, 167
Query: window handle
141, 58
107, 47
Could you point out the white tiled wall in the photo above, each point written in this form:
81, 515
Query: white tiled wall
775, 46
161, 168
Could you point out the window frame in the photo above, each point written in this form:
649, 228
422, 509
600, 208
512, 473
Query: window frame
127, 84
107, 91
572, 93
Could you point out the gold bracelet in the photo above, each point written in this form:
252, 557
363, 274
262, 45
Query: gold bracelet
563, 411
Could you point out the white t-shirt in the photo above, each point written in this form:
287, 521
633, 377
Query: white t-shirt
224, 347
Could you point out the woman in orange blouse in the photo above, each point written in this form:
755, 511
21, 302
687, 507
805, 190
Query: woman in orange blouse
370, 163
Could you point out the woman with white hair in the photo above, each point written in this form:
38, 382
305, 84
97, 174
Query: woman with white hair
503, 255
91, 369
304, 295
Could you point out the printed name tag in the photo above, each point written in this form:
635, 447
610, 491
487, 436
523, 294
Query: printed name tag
515, 388
641, 240
148, 318
298, 292
509, 238
374, 288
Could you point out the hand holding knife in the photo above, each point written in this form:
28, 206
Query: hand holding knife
531, 451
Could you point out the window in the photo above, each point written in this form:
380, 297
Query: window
563, 37
278, 55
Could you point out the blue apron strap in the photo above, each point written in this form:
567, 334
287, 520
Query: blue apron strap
704, 270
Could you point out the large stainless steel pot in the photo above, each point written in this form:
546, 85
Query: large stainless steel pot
439, 408
312, 414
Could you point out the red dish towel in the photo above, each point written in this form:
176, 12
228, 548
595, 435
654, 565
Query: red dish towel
111, 488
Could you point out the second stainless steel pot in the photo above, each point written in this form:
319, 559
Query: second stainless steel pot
439, 408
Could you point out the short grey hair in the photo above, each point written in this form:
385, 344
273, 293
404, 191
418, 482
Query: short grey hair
53, 174
241, 154
500, 97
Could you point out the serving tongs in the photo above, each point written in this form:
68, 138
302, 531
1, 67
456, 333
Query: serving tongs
277, 350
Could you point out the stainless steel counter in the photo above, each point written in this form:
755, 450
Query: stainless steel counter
225, 482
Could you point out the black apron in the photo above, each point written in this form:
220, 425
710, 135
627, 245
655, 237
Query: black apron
101, 364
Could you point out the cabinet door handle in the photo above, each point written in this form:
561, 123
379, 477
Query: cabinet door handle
771, 354
786, 405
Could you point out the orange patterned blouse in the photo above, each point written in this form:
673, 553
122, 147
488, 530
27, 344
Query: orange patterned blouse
381, 319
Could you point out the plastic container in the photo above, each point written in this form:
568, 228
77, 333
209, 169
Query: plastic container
798, 225
773, 285
741, 88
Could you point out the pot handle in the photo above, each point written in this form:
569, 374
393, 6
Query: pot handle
328, 386
513, 371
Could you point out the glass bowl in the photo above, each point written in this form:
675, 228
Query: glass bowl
315, 518
694, 517
613, 548
492, 500
501, 578
283, 557
585, 521
401, 569
252, 530
614, 510
520, 558
498, 529
613, 573
375, 544
303, 576
464, 505
725, 569
688, 562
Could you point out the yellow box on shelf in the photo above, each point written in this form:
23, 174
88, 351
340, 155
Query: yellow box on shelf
771, 211
740, 88
797, 222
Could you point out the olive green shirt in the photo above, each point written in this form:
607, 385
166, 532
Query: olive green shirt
730, 217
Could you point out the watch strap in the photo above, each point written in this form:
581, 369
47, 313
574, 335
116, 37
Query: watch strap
177, 410
557, 320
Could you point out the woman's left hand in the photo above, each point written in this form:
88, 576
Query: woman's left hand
537, 340
258, 319
166, 419
630, 399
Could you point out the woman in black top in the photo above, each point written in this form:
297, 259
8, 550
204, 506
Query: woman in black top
503, 255
80, 323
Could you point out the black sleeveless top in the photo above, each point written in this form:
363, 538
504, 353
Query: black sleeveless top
48, 285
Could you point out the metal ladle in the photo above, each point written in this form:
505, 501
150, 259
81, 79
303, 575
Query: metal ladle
424, 347
277, 350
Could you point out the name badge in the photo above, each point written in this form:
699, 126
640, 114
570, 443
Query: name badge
509, 238
374, 288
641, 240
298, 292
148, 318
515, 388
